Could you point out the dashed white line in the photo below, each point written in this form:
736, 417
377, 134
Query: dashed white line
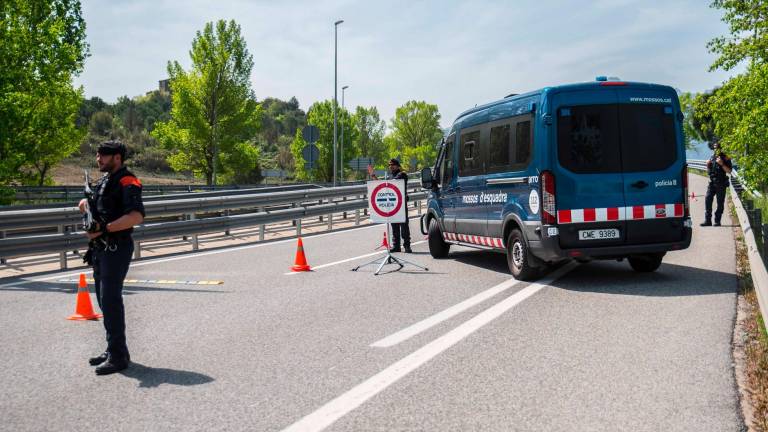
437, 318
342, 405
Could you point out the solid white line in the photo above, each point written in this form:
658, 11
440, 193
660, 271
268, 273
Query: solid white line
342, 405
187, 256
348, 259
437, 318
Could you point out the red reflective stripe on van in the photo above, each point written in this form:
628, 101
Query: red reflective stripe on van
564, 216
613, 213
678, 210
638, 212
663, 212
589, 215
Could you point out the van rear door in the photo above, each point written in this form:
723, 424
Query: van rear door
588, 172
653, 160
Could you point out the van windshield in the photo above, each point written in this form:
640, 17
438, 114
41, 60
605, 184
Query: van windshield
596, 139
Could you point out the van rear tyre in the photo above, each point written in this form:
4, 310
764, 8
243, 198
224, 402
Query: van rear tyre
518, 257
646, 263
438, 248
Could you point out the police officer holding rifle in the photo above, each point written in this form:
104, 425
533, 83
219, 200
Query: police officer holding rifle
718, 168
110, 212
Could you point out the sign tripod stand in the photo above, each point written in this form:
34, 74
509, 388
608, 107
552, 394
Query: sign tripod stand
389, 258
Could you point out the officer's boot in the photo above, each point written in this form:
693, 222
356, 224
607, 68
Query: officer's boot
707, 223
99, 359
113, 364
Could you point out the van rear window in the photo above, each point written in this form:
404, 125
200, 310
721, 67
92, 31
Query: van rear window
647, 137
596, 139
588, 139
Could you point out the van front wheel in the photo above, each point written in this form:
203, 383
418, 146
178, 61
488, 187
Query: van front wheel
646, 263
438, 248
518, 259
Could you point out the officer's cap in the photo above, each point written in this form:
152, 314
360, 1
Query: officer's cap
112, 148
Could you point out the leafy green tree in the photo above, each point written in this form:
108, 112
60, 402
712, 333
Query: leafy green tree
321, 115
215, 113
371, 131
415, 134
739, 109
42, 47
748, 25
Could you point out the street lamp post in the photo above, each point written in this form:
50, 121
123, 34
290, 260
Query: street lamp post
335, 80
341, 153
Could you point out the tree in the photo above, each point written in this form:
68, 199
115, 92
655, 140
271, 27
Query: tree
43, 47
371, 130
214, 113
748, 25
321, 115
415, 134
739, 109
698, 124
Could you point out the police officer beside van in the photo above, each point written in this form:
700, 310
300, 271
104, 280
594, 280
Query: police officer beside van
399, 230
718, 168
118, 208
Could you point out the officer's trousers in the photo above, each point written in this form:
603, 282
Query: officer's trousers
401, 230
714, 190
109, 269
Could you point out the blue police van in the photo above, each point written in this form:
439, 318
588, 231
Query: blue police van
582, 171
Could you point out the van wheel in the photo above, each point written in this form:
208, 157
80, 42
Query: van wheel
438, 248
646, 263
518, 257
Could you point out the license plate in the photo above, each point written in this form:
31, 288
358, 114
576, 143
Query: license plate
599, 234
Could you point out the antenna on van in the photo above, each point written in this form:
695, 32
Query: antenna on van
510, 95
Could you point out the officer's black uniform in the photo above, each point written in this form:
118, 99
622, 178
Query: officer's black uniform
401, 229
117, 194
718, 183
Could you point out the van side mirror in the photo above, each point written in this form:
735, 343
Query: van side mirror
427, 182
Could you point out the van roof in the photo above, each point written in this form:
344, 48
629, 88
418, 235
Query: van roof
563, 87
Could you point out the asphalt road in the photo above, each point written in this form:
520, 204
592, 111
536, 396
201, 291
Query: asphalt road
461, 347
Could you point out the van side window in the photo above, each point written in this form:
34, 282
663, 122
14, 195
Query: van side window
522, 144
500, 144
470, 157
446, 168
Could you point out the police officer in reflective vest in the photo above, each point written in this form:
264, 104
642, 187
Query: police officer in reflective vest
118, 209
399, 230
718, 167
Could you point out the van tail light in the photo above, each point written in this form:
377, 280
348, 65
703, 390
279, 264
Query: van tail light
686, 197
549, 209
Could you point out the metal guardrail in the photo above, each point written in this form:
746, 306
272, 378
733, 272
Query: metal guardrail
755, 238
304, 203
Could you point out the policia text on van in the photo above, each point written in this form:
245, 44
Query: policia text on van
584, 171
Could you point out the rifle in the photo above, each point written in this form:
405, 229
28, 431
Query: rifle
90, 222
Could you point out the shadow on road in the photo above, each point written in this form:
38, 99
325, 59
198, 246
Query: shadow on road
670, 280
153, 377
488, 260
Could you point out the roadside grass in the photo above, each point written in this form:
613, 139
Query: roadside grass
755, 338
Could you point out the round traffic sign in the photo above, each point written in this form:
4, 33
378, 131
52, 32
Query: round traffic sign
386, 199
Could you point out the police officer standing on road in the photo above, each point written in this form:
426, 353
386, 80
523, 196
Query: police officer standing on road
118, 209
398, 229
718, 166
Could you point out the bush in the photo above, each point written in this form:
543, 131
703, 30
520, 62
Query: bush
152, 159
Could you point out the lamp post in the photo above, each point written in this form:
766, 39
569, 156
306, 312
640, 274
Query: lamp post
335, 56
341, 162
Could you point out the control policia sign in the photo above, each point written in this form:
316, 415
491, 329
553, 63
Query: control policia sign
386, 201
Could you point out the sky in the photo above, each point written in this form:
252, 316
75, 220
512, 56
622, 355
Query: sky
454, 54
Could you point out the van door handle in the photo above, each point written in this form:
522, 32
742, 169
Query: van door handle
639, 184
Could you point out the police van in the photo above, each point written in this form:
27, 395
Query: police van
582, 171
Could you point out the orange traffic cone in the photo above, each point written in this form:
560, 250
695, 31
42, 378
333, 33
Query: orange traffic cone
300, 263
83, 307
384, 242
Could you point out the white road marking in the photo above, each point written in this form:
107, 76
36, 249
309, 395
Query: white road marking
349, 259
342, 405
437, 318
191, 255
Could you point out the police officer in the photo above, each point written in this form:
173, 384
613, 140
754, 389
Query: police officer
718, 166
118, 209
399, 230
